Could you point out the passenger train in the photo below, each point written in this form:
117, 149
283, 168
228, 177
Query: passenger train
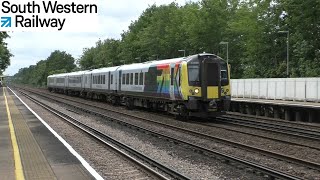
197, 85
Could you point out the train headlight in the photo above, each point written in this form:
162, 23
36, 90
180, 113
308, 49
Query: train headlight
196, 91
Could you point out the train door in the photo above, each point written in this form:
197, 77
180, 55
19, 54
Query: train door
109, 75
66, 82
91, 80
177, 82
83, 81
171, 89
120, 77
87, 81
210, 79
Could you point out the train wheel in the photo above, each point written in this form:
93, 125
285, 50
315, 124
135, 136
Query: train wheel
115, 100
129, 103
183, 113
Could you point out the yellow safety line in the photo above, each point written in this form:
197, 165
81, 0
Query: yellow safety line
16, 153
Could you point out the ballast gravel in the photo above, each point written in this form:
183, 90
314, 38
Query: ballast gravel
107, 163
184, 160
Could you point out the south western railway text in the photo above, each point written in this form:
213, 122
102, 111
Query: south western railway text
48, 7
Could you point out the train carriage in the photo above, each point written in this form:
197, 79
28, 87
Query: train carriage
100, 83
197, 85
57, 82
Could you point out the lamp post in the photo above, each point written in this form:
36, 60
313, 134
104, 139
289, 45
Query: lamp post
287, 50
226, 43
184, 52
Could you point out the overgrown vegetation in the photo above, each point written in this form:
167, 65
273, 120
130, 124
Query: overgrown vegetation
5, 54
256, 48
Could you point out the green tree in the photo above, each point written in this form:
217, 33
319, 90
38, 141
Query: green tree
59, 60
5, 54
36, 75
302, 20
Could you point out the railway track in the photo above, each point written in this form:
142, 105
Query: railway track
215, 125
280, 121
268, 171
274, 127
147, 164
315, 147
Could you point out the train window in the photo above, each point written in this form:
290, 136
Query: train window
141, 79
111, 79
127, 78
194, 73
213, 74
172, 76
104, 79
60, 80
131, 78
136, 78
123, 78
224, 74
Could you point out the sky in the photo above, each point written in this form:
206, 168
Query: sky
30, 47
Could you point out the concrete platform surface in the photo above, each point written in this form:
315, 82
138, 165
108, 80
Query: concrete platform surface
29, 150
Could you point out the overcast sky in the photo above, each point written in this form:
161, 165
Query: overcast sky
30, 47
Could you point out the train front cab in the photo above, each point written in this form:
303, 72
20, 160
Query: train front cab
207, 86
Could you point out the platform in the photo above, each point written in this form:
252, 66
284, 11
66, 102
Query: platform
280, 109
280, 102
29, 150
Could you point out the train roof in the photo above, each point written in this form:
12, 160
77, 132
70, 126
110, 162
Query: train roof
102, 70
149, 63
68, 74
58, 75
76, 73
135, 65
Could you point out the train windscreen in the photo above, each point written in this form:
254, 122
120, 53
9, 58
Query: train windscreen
194, 73
224, 74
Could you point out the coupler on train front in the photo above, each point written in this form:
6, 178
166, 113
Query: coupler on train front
207, 109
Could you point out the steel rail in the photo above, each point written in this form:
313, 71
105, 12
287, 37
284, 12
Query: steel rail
298, 132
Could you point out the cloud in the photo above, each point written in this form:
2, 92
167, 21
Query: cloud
116, 15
